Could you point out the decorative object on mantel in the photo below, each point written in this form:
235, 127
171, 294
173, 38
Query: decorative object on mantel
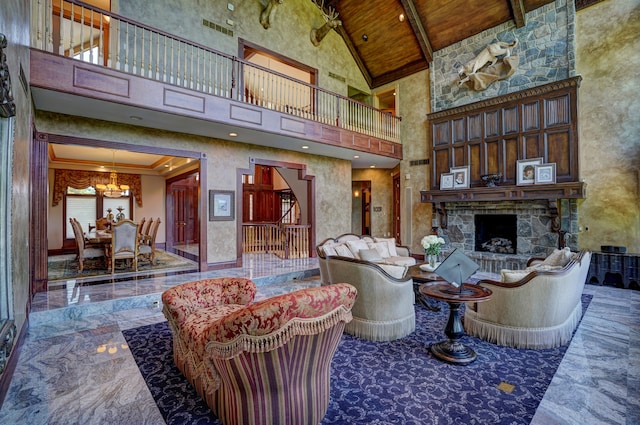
491, 180
446, 181
526, 171
545, 173
432, 245
460, 177
477, 75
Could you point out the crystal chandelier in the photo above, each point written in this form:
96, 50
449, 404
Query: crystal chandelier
112, 190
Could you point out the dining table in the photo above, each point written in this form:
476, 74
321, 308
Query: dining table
98, 236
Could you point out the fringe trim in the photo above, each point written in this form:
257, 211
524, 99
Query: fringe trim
525, 338
381, 330
275, 340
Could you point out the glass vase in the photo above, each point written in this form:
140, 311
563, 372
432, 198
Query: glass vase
432, 259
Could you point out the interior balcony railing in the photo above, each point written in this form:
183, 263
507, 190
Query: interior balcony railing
284, 241
86, 33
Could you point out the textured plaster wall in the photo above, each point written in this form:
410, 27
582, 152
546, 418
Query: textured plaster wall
381, 197
14, 24
333, 177
412, 101
608, 58
289, 33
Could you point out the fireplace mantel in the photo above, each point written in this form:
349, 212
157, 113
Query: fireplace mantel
571, 190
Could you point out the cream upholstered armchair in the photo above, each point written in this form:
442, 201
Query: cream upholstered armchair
535, 308
243, 358
384, 310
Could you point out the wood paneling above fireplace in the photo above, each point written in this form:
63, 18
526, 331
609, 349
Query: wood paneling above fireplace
492, 135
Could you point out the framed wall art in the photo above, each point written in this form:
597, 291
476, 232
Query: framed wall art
460, 177
446, 181
526, 170
545, 173
221, 205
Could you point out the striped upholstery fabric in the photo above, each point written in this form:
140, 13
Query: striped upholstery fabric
189, 308
266, 362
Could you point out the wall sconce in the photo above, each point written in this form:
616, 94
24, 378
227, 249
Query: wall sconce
356, 194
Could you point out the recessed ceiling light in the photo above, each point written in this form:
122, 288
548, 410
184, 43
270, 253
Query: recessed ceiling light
305, 147
356, 156
232, 134
401, 17
372, 166
135, 118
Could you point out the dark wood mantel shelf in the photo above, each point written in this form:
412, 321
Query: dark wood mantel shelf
507, 193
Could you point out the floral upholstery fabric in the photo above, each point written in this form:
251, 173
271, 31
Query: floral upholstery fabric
243, 358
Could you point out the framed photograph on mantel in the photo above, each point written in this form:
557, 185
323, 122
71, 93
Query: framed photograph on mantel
545, 173
460, 177
221, 205
526, 170
446, 181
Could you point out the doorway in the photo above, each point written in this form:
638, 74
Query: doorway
183, 233
361, 207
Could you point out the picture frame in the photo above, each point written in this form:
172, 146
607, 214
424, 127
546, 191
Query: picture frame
446, 181
221, 205
526, 171
545, 173
460, 177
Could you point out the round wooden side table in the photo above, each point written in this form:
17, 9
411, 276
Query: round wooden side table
453, 350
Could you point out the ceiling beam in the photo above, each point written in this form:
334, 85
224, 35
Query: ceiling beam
517, 7
355, 54
418, 29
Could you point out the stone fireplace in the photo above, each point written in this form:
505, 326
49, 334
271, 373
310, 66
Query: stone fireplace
530, 226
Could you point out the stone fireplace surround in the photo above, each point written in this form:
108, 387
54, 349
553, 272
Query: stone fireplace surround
535, 237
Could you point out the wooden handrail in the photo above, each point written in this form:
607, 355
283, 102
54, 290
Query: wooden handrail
130, 46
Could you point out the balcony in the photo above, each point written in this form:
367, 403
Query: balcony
93, 63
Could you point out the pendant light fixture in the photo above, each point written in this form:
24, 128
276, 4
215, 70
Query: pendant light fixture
113, 190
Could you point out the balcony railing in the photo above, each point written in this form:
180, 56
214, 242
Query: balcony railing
286, 242
86, 33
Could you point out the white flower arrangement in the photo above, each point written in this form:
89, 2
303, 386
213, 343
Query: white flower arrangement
432, 244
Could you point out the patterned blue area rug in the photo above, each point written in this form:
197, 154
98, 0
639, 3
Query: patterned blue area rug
396, 382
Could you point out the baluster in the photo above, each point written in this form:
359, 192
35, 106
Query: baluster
135, 51
142, 65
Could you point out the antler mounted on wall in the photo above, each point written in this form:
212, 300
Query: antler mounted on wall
269, 12
331, 22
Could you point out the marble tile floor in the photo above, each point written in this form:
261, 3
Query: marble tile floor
78, 369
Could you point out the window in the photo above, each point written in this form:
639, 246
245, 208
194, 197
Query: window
84, 205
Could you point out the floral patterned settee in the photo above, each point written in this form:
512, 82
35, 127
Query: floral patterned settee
243, 358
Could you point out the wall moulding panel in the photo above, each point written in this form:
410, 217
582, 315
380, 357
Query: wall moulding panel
492, 135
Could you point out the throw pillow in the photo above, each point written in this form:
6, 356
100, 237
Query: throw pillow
344, 251
370, 255
329, 250
381, 247
543, 268
356, 245
559, 257
391, 242
511, 276
395, 271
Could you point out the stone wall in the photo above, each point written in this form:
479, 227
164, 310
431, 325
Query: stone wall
545, 50
535, 236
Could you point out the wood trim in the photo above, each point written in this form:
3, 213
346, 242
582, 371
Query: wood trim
10, 367
573, 190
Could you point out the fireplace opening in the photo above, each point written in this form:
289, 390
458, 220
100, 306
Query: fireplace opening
496, 233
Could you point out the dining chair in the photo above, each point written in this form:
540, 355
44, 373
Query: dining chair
124, 243
141, 227
147, 246
83, 251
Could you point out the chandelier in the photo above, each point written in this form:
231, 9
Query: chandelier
113, 190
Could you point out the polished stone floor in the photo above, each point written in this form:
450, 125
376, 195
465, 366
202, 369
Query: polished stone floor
75, 366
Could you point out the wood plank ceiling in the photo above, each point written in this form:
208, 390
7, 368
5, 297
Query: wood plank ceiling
387, 48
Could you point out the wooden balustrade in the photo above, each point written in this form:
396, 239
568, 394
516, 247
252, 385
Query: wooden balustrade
90, 34
286, 242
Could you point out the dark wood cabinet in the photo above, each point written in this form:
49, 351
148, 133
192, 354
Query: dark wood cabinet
492, 135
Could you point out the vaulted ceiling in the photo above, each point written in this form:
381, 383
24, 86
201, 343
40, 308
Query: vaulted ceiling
391, 39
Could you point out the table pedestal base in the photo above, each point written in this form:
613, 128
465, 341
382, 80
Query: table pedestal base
453, 352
